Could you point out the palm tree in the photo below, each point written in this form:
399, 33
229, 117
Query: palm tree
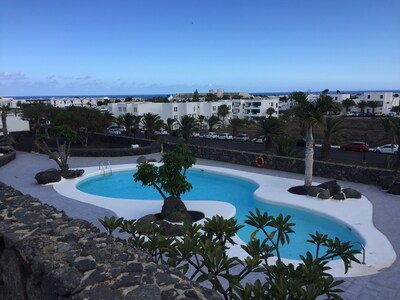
223, 111
269, 128
361, 105
187, 125
169, 125
347, 103
201, 119
128, 120
151, 122
310, 114
270, 111
212, 121
333, 130
374, 104
392, 128
236, 123
4, 112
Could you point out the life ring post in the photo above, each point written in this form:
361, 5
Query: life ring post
260, 161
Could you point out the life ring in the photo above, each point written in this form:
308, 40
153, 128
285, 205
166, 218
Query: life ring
260, 162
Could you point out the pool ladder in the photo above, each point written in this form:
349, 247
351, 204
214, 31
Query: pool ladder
105, 167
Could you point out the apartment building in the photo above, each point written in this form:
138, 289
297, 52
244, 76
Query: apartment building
253, 109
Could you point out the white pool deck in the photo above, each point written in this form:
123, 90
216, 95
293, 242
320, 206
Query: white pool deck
376, 209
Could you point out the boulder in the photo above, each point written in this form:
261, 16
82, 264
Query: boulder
298, 190
172, 206
314, 191
46, 177
325, 194
339, 196
179, 217
152, 160
6, 141
170, 230
72, 173
394, 188
332, 186
147, 219
351, 193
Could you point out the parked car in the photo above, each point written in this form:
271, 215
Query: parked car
195, 135
161, 132
225, 136
211, 135
388, 149
259, 140
355, 146
114, 131
243, 137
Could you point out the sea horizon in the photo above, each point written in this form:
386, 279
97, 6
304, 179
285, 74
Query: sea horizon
149, 96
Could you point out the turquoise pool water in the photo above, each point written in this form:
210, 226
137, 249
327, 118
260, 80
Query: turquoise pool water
239, 192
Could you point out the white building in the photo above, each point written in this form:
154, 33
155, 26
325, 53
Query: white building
253, 109
387, 101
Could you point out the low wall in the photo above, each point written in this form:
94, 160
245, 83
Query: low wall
108, 152
361, 174
44, 254
8, 155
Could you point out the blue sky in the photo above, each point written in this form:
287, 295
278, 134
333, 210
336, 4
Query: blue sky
75, 47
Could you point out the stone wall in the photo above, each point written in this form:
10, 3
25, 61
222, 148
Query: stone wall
8, 154
44, 254
366, 175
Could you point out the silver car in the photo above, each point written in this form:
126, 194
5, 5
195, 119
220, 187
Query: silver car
242, 137
388, 149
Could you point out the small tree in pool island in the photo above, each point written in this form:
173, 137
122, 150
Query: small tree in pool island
169, 180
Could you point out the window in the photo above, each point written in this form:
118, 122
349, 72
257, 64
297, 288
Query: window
175, 109
381, 96
213, 108
124, 109
135, 110
272, 104
369, 97
194, 108
120, 109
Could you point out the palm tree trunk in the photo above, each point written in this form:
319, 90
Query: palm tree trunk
309, 157
4, 121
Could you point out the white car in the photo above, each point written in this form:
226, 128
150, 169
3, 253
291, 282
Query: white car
114, 131
242, 137
388, 149
161, 132
211, 135
195, 135
258, 140
225, 136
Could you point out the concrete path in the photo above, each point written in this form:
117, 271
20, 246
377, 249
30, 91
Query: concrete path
20, 174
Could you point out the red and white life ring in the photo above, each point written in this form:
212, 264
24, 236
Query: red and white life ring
260, 162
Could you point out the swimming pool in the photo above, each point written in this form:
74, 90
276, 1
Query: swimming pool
236, 191
355, 214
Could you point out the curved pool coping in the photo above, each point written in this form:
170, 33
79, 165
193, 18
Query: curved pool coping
355, 213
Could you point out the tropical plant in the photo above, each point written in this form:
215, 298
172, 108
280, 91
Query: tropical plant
235, 124
392, 128
333, 129
270, 111
284, 145
373, 104
187, 125
41, 115
170, 177
310, 114
83, 120
151, 122
202, 252
223, 111
269, 128
128, 120
362, 105
211, 97
347, 103
170, 124
4, 112
196, 97
212, 121
63, 135
201, 120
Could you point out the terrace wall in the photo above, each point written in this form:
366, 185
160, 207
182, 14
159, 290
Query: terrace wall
44, 254
361, 174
